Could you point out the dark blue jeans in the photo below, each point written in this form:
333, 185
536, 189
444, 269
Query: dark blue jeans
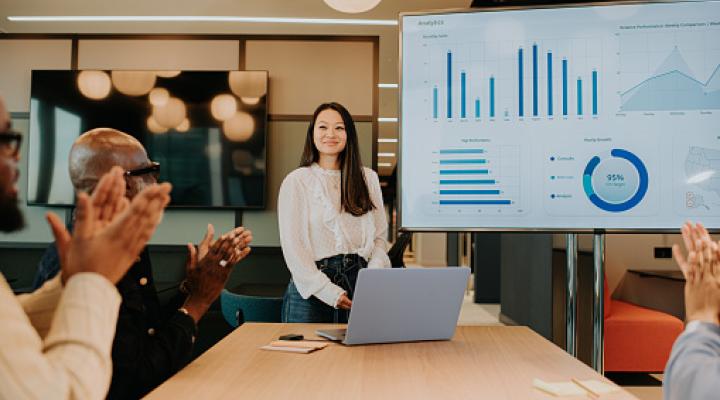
342, 270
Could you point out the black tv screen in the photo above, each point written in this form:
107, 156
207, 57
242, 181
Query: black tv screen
206, 129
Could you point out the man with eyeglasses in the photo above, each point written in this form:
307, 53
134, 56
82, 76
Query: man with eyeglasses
55, 342
12, 218
151, 343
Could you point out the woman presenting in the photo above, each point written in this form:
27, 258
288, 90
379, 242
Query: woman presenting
332, 221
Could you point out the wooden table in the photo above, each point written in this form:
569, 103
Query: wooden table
481, 362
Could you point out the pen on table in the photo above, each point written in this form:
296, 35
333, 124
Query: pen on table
590, 392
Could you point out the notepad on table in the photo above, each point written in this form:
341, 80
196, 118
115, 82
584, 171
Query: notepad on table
571, 389
292, 346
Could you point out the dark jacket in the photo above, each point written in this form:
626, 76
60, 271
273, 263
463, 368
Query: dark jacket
151, 344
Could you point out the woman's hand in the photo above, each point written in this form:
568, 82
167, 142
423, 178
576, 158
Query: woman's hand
344, 302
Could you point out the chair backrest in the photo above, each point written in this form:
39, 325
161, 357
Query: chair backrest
239, 308
397, 250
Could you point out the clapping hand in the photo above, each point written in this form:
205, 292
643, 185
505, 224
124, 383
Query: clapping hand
208, 267
701, 268
109, 232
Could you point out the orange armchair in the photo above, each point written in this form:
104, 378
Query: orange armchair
637, 339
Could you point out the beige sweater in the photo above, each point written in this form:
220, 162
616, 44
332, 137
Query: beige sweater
55, 343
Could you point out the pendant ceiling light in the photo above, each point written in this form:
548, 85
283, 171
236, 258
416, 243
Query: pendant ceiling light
352, 6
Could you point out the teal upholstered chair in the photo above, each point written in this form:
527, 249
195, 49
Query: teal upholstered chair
252, 303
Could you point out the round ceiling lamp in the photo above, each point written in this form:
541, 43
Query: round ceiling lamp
94, 85
171, 114
167, 74
184, 126
159, 96
251, 101
352, 6
154, 127
133, 83
223, 107
248, 83
239, 128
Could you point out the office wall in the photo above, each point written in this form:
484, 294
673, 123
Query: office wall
19, 57
629, 251
296, 82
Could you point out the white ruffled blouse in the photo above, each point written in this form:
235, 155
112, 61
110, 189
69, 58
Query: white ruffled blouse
313, 226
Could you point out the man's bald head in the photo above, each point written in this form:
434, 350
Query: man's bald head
96, 151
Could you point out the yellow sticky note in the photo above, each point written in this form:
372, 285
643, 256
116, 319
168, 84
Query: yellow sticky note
600, 387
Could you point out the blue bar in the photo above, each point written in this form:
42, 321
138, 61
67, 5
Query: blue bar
492, 97
463, 113
466, 161
521, 101
462, 151
477, 108
549, 83
564, 86
579, 96
594, 93
535, 80
460, 192
468, 182
476, 202
449, 84
463, 171
435, 102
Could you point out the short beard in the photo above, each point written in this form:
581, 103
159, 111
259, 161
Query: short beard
11, 218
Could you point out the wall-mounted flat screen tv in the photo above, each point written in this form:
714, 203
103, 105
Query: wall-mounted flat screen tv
207, 130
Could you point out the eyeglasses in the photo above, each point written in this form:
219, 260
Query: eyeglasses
153, 170
10, 141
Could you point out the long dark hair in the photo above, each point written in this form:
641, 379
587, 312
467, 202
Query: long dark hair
354, 194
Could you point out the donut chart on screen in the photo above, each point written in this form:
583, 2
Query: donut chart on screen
616, 181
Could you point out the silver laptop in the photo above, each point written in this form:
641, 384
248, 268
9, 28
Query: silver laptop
403, 305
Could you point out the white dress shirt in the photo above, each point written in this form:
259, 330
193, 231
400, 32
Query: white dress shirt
693, 370
56, 342
313, 226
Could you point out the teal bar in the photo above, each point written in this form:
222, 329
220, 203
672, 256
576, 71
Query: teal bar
594, 92
492, 97
462, 151
468, 181
464, 172
579, 97
468, 161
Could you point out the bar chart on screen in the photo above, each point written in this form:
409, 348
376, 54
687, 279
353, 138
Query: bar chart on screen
478, 180
503, 80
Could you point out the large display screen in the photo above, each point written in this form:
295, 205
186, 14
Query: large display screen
569, 118
207, 130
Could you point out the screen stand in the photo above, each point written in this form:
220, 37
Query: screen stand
69, 216
598, 297
238, 218
571, 294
